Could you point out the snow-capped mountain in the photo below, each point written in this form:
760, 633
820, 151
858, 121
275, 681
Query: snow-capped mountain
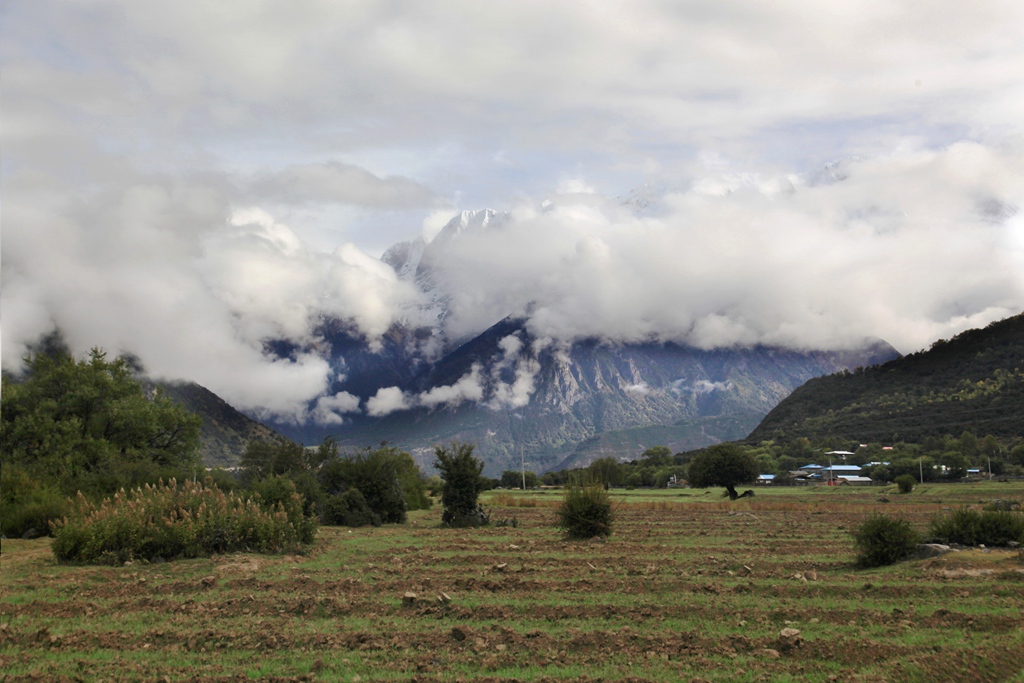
545, 400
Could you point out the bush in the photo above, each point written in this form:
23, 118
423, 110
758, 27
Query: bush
905, 482
883, 540
460, 471
1000, 505
971, 527
348, 509
586, 509
26, 504
387, 478
177, 521
279, 490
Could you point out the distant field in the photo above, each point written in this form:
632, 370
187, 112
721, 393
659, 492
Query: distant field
690, 587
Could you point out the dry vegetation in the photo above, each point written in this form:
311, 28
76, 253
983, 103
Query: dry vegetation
688, 588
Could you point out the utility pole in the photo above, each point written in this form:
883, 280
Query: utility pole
522, 465
920, 467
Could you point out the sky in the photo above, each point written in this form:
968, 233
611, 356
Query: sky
185, 180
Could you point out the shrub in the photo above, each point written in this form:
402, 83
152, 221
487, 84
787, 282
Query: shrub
883, 540
460, 471
348, 509
27, 504
387, 478
905, 482
1000, 505
971, 527
586, 509
277, 490
177, 521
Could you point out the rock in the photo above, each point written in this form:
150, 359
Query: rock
811, 575
409, 599
770, 653
444, 598
501, 567
458, 633
513, 546
746, 570
30, 534
926, 550
208, 581
789, 638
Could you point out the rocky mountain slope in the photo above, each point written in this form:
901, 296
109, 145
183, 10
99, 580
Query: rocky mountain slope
554, 405
225, 431
546, 401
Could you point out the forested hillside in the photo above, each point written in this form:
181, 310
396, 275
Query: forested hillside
973, 382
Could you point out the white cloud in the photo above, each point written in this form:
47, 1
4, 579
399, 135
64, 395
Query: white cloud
468, 388
331, 409
640, 388
386, 401
332, 181
164, 200
905, 247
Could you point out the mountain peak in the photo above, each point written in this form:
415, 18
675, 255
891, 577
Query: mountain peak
468, 221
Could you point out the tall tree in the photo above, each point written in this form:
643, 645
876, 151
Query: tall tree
460, 470
86, 424
724, 464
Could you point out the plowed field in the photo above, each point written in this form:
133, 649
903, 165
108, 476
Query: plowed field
683, 591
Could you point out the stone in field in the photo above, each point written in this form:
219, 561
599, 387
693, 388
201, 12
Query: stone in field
926, 550
789, 638
409, 599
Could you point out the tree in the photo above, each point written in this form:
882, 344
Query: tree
263, 459
725, 465
657, 456
606, 471
461, 471
512, 479
87, 425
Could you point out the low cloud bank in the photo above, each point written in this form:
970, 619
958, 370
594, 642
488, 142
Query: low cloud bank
911, 247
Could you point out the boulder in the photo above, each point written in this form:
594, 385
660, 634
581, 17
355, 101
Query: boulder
927, 550
789, 638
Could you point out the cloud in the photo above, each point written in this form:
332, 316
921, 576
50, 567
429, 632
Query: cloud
235, 180
468, 388
331, 409
335, 182
166, 269
386, 401
905, 246
640, 388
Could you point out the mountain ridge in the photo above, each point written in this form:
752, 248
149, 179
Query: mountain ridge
974, 382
